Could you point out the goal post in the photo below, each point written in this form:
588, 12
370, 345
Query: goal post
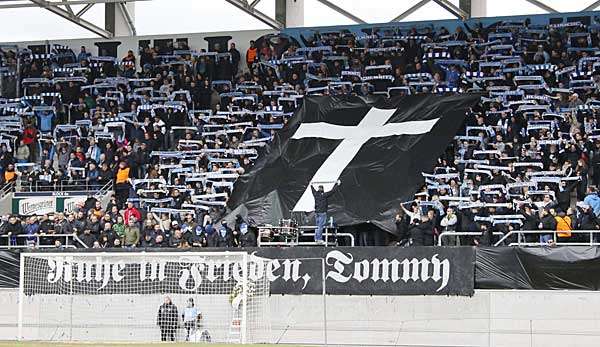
116, 296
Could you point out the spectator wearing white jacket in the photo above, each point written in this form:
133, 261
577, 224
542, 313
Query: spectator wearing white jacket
448, 224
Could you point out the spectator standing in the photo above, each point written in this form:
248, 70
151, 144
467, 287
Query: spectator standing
10, 174
132, 212
22, 153
421, 232
83, 55
122, 183
167, 320
190, 316
563, 226
321, 206
119, 227
592, 200
235, 58
29, 138
402, 222
251, 56
531, 223
247, 237
32, 229
448, 224
225, 235
131, 235
547, 222
13, 229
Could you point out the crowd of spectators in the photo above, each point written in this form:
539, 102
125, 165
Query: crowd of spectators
170, 129
92, 226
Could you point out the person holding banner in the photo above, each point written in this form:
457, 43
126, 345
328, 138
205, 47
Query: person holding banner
321, 205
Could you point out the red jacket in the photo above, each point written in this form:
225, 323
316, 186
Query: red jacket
132, 212
29, 135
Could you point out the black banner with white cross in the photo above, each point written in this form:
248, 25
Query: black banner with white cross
377, 147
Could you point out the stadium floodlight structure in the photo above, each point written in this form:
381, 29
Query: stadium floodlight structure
93, 297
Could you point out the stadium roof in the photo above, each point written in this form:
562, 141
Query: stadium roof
120, 15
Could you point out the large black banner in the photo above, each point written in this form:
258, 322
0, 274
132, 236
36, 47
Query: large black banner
363, 270
348, 271
372, 270
538, 268
377, 147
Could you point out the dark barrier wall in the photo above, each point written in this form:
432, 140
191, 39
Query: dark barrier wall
538, 268
349, 271
9, 269
405, 271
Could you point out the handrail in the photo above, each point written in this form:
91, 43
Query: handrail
37, 237
104, 190
463, 233
6, 189
519, 233
81, 185
327, 235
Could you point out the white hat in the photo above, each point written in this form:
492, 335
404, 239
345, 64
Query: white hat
582, 205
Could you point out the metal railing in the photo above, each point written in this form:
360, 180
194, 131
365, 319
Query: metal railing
61, 186
450, 234
521, 242
329, 238
105, 189
33, 241
7, 189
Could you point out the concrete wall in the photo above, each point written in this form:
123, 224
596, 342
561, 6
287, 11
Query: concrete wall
6, 204
509, 318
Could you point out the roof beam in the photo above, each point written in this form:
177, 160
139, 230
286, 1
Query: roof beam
542, 6
243, 5
71, 17
128, 19
341, 11
84, 10
592, 6
254, 3
410, 11
448, 6
69, 9
6, 4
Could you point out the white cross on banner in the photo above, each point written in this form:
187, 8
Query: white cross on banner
373, 125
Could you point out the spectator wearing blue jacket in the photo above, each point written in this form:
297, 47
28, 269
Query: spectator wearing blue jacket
593, 200
83, 54
31, 229
93, 175
453, 77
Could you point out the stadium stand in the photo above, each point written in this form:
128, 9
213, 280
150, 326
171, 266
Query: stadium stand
171, 129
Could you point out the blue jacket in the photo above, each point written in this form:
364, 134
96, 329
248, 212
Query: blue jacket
594, 201
31, 230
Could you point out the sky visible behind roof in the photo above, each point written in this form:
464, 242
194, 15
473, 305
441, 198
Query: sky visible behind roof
191, 16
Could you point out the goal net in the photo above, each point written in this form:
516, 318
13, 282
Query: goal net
122, 297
